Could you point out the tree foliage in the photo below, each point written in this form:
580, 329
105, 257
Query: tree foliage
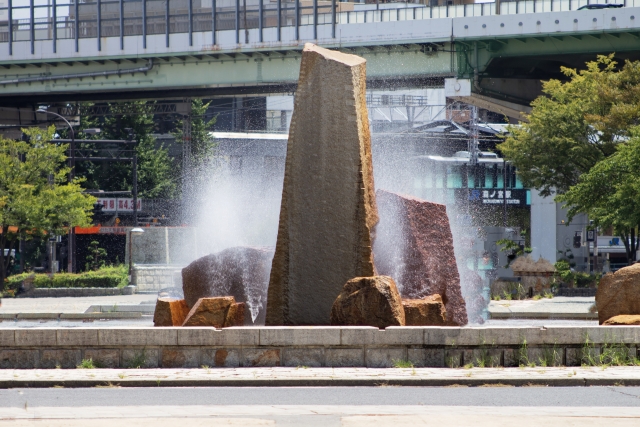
609, 193
202, 142
156, 177
575, 125
36, 198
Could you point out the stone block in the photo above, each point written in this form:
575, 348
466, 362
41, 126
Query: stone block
511, 358
619, 293
434, 358
623, 320
107, 358
414, 245
545, 356
140, 358
170, 312
416, 356
573, 356
209, 312
368, 301
77, 337
261, 357
389, 336
35, 337
225, 337
453, 358
308, 357
220, 357
300, 335
7, 338
483, 357
65, 359
328, 187
441, 335
344, 357
428, 311
138, 337
564, 335
180, 358
384, 357
19, 359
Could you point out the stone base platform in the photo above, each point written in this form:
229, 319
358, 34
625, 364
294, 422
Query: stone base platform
48, 348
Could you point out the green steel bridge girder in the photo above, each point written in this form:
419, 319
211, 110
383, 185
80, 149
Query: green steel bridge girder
544, 46
204, 72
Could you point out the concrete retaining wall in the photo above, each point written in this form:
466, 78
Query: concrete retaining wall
304, 346
152, 278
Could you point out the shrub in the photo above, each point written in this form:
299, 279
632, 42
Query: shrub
106, 277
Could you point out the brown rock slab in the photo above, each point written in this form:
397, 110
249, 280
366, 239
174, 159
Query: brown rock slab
414, 245
368, 301
429, 311
241, 272
235, 315
170, 312
328, 208
623, 320
619, 293
219, 312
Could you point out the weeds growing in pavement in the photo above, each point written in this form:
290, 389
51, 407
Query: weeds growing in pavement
86, 364
611, 354
402, 364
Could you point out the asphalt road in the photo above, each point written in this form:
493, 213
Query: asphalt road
322, 407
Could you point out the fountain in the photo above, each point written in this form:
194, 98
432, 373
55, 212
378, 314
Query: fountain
327, 225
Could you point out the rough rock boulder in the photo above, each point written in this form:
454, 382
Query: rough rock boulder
328, 208
623, 320
368, 301
241, 272
414, 245
619, 293
220, 312
429, 311
170, 312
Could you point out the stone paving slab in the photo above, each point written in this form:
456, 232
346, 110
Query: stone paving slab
305, 377
556, 308
69, 304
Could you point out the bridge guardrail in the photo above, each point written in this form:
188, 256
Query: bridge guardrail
22, 21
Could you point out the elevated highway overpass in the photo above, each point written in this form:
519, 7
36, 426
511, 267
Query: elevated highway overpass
505, 47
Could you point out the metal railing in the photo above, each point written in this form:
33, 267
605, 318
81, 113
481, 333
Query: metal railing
31, 20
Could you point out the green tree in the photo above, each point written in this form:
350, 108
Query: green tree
156, 177
610, 193
575, 124
202, 142
95, 259
35, 197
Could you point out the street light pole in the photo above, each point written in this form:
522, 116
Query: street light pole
71, 265
133, 232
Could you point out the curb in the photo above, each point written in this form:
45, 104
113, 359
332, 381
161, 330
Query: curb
71, 316
323, 382
543, 315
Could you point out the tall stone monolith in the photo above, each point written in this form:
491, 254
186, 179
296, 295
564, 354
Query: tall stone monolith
328, 209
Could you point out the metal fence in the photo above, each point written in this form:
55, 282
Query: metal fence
31, 20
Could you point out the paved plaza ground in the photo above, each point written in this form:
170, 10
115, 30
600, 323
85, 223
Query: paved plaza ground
558, 310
